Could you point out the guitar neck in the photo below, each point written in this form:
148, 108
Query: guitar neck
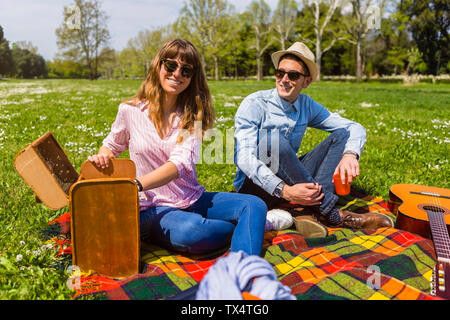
440, 235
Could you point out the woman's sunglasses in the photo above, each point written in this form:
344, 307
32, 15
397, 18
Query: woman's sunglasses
292, 75
170, 66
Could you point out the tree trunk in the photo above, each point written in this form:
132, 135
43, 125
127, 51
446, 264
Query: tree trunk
358, 61
235, 66
283, 43
258, 56
216, 67
258, 68
202, 57
96, 66
319, 65
359, 38
318, 56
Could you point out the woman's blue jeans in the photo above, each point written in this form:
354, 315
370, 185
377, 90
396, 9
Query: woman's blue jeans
318, 165
209, 224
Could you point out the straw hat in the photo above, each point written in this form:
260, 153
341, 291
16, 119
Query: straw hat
300, 50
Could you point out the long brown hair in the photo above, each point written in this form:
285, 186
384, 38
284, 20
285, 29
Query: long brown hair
195, 100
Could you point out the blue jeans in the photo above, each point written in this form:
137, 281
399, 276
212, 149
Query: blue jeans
318, 165
208, 225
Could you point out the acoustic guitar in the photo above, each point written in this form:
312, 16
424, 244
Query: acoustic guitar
426, 212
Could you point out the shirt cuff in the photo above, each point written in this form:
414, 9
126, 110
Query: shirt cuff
180, 166
355, 153
115, 149
271, 183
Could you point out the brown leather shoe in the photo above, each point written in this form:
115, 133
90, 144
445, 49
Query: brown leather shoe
370, 220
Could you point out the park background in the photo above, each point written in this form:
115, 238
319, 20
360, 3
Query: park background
360, 38
386, 69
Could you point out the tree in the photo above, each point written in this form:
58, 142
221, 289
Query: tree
26, 45
206, 23
127, 66
28, 64
364, 12
258, 17
237, 57
396, 57
107, 63
429, 24
85, 40
321, 13
65, 69
394, 40
146, 44
339, 59
415, 62
284, 21
6, 59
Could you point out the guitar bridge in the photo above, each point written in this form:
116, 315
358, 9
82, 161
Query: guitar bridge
440, 285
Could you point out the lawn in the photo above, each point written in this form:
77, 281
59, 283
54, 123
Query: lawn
408, 130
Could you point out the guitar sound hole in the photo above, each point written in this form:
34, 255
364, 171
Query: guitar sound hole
434, 209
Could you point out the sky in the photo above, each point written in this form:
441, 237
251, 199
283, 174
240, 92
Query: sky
37, 20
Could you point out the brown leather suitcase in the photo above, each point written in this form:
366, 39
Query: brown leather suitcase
103, 203
105, 226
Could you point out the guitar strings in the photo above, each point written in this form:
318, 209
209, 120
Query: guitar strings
439, 283
435, 200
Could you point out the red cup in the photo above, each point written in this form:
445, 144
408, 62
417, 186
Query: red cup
342, 188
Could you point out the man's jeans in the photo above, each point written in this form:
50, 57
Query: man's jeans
318, 165
209, 224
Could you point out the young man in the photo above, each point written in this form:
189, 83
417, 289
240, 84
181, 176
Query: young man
270, 126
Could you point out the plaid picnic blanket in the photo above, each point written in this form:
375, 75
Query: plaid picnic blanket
359, 265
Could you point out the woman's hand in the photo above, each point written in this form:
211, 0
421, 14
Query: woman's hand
307, 194
102, 158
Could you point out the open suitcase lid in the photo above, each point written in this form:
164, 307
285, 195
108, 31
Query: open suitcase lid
45, 167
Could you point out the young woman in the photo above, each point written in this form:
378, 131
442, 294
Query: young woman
157, 127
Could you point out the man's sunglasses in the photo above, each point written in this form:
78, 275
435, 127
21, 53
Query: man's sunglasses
292, 75
171, 65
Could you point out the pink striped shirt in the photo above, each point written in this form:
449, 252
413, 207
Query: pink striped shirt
133, 130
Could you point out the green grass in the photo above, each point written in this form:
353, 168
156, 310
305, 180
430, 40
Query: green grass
408, 142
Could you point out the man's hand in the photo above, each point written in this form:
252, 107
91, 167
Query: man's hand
350, 164
307, 194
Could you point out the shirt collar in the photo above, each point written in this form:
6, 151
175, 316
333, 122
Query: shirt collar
285, 105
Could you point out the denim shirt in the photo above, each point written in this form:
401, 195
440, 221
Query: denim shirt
265, 111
